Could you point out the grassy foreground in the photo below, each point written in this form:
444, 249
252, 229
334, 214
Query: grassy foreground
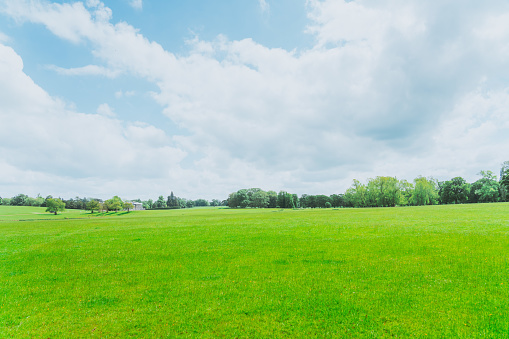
433, 272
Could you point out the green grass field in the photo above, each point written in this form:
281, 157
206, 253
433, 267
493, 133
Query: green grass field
425, 272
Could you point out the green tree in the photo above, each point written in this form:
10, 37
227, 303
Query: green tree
93, 205
128, 206
55, 205
357, 194
160, 203
114, 204
260, 199
425, 192
454, 191
201, 203
504, 181
19, 200
272, 199
487, 188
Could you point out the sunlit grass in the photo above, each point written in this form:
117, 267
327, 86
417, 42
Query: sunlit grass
439, 271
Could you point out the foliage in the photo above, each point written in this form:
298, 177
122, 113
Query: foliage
454, 191
55, 205
114, 204
128, 206
425, 192
486, 189
93, 205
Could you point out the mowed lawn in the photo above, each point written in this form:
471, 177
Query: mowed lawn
426, 272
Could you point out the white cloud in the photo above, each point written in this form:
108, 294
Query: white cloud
106, 110
264, 5
136, 4
389, 89
86, 70
45, 147
121, 94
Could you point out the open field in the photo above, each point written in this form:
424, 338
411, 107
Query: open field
438, 271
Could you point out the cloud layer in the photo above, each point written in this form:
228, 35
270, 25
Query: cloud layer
401, 88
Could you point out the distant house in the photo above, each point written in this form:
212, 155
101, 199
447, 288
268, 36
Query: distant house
137, 206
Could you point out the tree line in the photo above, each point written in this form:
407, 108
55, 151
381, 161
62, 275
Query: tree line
378, 192
116, 204
386, 192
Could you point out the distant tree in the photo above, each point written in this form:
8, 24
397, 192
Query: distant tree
504, 181
454, 191
189, 204
201, 203
328, 204
322, 200
128, 206
172, 201
55, 205
425, 192
114, 204
272, 199
486, 189
19, 200
233, 200
260, 199
93, 205
160, 203
337, 200
215, 203
357, 195
148, 204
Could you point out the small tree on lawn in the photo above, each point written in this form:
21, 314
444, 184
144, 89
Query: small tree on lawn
114, 204
93, 205
55, 205
128, 206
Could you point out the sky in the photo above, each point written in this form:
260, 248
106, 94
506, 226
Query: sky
139, 98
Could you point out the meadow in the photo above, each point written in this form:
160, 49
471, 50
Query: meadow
425, 272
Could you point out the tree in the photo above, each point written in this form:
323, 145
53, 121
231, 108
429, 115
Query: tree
504, 181
148, 204
201, 203
19, 200
425, 192
114, 204
128, 206
93, 205
454, 191
260, 199
55, 205
357, 194
173, 201
272, 199
485, 189
337, 200
322, 200
160, 203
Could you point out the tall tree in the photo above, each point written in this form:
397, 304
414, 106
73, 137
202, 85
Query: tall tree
260, 199
504, 181
114, 204
425, 192
93, 205
487, 188
55, 205
454, 191
128, 206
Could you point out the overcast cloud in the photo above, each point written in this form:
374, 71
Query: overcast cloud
399, 88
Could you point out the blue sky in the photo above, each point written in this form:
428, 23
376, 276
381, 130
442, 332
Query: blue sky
140, 98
